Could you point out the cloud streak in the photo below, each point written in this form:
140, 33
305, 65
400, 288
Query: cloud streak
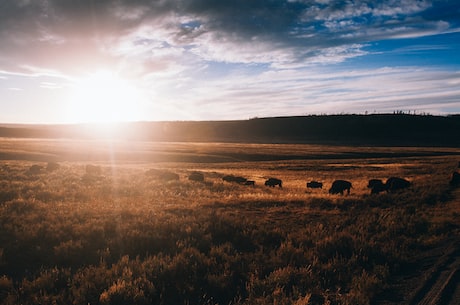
319, 91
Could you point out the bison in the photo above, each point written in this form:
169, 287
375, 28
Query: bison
374, 182
163, 175
272, 182
315, 185
35, 169
376, 186
455, 180
338, 186
228, 178
231, 178
196, 176
396, 183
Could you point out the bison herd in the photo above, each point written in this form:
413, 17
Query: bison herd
376, 186
337, 187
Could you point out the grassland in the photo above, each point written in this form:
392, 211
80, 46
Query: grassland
120, 233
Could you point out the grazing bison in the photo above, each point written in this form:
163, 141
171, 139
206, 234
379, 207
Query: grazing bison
35, 169
228, 178
272, 182
163, 175
231, 178
315, 185
396, 183
376, 186
374, 182
168, 176
196, 176
338, 186
455, 181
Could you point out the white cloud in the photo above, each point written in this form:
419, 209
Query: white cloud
400, 7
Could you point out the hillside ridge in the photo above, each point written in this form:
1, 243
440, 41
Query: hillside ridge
350, 129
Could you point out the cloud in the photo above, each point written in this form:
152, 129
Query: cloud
74, 35
234, 58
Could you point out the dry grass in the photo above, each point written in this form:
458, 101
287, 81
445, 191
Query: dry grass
121, 236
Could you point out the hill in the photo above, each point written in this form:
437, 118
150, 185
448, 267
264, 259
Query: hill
376, 129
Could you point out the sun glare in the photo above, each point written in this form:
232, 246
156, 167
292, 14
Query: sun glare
103, 97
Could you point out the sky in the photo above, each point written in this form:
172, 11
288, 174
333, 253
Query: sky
68, 61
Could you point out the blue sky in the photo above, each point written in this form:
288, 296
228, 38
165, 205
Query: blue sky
64, 61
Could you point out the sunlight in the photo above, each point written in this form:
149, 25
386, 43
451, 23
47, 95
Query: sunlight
103, 97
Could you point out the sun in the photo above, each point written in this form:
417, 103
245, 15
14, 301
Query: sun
104, 97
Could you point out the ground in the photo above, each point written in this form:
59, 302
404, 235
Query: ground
437, 282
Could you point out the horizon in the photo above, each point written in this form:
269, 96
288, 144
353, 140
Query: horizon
118, 61
114, 123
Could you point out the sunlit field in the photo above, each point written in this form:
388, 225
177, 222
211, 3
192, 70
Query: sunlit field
108, 222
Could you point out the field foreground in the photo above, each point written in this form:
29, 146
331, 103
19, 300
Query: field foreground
86, 222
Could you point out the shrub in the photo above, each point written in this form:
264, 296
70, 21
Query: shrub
132, 291
6, 288
8, 195
72, 238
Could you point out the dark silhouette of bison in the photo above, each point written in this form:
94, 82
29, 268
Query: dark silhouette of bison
314, 185
236, 179
196, 176
35, 169
163, 175
339, 186
376, 186
373, 182
455, 180
272, 182
391, 185
396, 184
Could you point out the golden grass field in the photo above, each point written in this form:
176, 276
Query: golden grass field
120, 233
